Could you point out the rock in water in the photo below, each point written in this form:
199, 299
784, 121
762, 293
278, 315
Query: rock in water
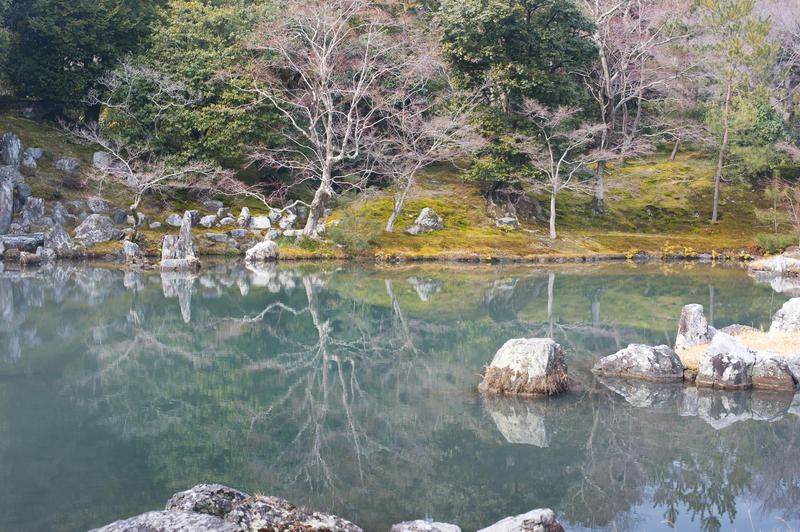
10, 150
423, 525
426, 222
693, 328
6, 205
773, 372
787, 319
527, 366
726, 364
540, 520
640, 361
264, 251
96, 228
170, 522
177, 252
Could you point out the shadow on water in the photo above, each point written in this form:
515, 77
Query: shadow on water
352, 390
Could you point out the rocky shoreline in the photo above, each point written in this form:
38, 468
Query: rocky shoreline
218, 508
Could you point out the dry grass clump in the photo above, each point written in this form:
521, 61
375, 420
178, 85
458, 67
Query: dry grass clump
510, 382
782, 343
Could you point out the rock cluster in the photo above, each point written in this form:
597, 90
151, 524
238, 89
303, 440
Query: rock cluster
527, 366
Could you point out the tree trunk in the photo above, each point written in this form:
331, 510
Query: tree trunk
553, 214
675, 149
397, 208
134, 208
720, 157
599, 200
321, 196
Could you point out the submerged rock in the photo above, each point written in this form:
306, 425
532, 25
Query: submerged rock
693, 328
527, 366
539, 520
787, 319
640, 361
165, 521
423, 525
426, 222
726, 364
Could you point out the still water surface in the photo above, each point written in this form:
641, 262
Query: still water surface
352, 390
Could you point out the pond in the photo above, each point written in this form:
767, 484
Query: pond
352, 390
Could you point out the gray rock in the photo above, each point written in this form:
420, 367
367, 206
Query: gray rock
260, 222
264, 251
736, 330
173, 521
46, 254
223, 212
120, 217
426, 222
227, 221
31, 212
424, 525
243, 221
24, 192
11, 173
726, 364
68, 165
102, 160
787, 319
692, 328
6, 205
539, 520
28, 165
212, 205
287, 221
220, 238
132, 250
96, 228
75, 207
777, 265
238, 233
59, 241
177, 252
174, 220
22, 242
208, 221
640, 361
98, 206
527, 366
34, 153
194, 217
292, 233
60, 214
507, 222
211, 499
772, 372
10, 150
272, 234
274, 215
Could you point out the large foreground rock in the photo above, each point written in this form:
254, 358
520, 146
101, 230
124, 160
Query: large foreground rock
423, 525
638, 361
426, 222
264, 251
96, 228
255, 513
787, 319
164, 521
540, 520
692, 328
726, 364
527, 366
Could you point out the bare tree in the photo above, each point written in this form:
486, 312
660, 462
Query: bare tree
323, 66
559, 151
634, 67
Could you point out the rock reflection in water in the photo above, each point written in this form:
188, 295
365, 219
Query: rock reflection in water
528, 421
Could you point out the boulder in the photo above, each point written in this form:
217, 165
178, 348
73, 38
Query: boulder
260, 222
238, 233
102, 160
208, 221
6, 205
255, 513
638, 361
46, 254
132, 250
98, 206
736, 330
120, 217
60, 214
22, 242
10, 150
28, 165
155, 225
96, 228
426, 222
292, 233
527, 366
212, 205
424, 525
75, 207
772, 372
166, 521
507, 223
23, 193
177, 252
243, 221
692, 328
264, 251
174, 220
777, 265
31, 212
223, 212
194, 217
68, 165
787, 319
227, 221
272, 234
217, 237
540, 520
59, 241
275, 215
726, 364
287, 221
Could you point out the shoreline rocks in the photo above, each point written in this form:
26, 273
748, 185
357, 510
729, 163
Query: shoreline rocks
526, 366
539, 520
639, 361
